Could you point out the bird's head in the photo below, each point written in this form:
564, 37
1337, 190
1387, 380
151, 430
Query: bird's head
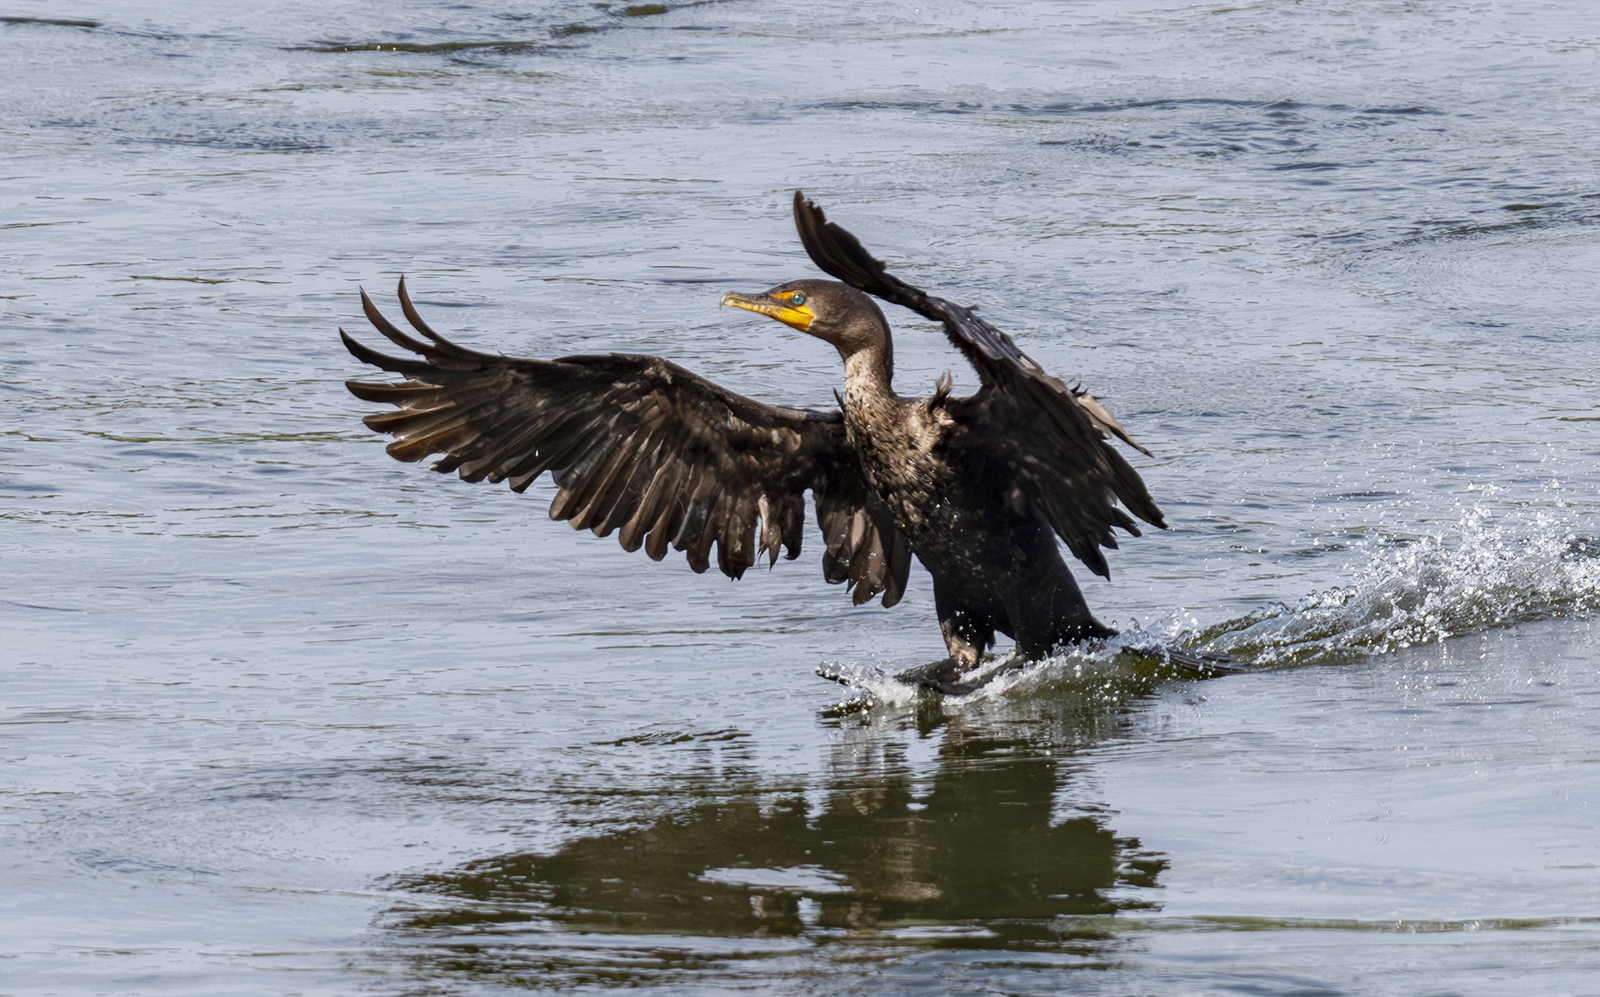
827, 309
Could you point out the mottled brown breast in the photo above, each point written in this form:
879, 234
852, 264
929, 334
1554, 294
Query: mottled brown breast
899, 442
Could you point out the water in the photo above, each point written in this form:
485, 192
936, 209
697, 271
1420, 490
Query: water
284, 716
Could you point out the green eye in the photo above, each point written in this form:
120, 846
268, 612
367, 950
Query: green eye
797, 299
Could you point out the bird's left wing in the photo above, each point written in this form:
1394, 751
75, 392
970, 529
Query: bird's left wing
994, 355
641, 446
1070, 471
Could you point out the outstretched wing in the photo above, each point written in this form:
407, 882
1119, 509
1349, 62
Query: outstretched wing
638, 445
1062, 460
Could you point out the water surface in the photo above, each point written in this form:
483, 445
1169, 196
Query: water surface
284, 716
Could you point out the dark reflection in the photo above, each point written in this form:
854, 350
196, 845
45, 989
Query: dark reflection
981, 845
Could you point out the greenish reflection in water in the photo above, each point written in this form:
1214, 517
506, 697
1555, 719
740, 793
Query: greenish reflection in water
976, 855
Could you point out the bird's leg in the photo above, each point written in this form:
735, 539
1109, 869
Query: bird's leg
965, 638
965, 651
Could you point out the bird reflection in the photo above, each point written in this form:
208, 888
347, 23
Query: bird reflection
981, 844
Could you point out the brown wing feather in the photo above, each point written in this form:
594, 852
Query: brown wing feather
1068, 471
640, 446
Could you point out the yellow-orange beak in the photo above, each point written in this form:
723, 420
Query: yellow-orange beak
795, 316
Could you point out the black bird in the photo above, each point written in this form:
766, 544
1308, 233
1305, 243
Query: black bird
978, 488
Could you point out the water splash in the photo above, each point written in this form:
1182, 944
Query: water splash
870, 686
1411, 591
1085, 679
1421, 591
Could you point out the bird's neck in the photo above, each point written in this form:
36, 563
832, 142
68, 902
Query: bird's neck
867, 376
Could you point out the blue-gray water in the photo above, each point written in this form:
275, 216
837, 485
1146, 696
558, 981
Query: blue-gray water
282, 716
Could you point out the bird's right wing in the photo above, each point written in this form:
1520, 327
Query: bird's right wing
638, 445
1069, 470
1047, 471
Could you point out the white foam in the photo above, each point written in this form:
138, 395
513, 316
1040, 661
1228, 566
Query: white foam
1485, 576
871, 686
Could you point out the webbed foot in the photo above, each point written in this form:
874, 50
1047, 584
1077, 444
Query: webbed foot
954, 677
935, 675
1196, 664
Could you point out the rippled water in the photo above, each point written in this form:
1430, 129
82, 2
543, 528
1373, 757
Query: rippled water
284, 716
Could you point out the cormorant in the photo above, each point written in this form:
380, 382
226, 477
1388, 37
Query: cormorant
978, 488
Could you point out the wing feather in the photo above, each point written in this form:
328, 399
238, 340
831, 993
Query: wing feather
1052, 439
639, 445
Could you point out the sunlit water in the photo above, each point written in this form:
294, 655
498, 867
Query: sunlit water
283, 716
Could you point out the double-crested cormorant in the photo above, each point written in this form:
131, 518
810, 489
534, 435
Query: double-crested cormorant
978, 488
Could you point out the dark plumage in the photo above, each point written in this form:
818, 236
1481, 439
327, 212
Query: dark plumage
977, 487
